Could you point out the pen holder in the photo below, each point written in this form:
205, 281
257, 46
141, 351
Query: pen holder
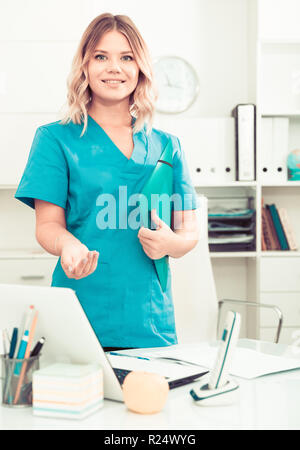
17, 380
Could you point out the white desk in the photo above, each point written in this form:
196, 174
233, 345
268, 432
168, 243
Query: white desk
270, 402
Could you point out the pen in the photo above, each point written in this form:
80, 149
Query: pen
38, 347
36, 351
13, 342
27, 352
24, 338
29, 317
21, 352
4, 344
129, 356
12, 349
24, 341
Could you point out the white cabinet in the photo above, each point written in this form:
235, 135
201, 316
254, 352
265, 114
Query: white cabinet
16, 136
27, 271
280, 274
280, 286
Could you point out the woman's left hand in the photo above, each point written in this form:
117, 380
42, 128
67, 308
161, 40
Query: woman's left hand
157, 243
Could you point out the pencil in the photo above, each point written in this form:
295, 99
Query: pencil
27, 354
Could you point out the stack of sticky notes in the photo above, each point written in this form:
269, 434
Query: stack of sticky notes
69, 391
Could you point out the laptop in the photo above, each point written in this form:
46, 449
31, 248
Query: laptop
71, 338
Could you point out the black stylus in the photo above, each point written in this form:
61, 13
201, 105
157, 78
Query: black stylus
183, 381
38, 347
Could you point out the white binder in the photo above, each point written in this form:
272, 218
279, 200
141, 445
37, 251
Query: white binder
266, 143
274, 149
214, 162
208, 144
245, 141
280, 148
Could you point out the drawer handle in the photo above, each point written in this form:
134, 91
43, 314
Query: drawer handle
32, 277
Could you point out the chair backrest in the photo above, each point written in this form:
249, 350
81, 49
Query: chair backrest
193, 288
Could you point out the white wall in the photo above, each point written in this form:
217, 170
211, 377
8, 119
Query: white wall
38, 40
279, 19
210, 34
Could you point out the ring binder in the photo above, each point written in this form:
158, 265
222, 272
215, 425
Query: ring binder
245, 141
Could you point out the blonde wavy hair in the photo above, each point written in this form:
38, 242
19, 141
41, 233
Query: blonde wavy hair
79, 96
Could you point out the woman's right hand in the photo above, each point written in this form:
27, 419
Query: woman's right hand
77, 261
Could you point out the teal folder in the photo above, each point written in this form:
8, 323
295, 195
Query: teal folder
159, 183
278, 227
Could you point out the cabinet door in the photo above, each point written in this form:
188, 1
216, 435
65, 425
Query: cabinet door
16, 135
280, 274
27, 271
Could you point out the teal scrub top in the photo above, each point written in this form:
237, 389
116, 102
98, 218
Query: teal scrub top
122, 298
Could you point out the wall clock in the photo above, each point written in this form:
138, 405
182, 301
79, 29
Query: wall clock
177, 83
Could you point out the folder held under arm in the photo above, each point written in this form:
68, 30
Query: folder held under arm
156, 195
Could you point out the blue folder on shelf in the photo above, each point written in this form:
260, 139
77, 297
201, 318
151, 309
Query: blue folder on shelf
159, 183
278, 227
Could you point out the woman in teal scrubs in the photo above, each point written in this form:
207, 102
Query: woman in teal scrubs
83, 176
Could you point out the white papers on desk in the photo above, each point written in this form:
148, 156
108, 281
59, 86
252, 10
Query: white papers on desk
246, 363
251, 364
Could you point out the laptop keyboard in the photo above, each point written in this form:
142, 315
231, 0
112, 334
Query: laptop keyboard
121, 374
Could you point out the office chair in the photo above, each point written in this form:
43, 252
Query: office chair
197, 309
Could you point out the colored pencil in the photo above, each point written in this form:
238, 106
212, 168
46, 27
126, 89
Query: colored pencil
27, 354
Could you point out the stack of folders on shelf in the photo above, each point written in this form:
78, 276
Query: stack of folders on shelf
231, 229
68, 391
277, 232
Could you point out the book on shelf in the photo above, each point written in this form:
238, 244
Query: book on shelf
278, 227
263, 240
288, 230
277, 231
269, 232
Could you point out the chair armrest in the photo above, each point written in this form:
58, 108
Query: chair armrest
257, 305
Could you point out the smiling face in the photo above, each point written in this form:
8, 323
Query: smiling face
112, 70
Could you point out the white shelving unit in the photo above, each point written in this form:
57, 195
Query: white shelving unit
276, 276
273, 67
278, 75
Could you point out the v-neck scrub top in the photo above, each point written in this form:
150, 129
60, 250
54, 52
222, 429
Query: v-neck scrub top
122, 298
